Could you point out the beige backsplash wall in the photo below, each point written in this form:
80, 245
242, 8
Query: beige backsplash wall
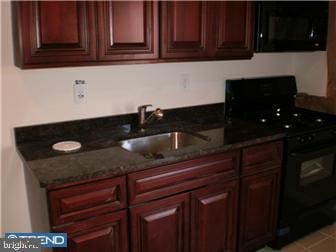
311, 72
46, 95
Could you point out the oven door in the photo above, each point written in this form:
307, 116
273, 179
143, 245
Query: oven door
311, 176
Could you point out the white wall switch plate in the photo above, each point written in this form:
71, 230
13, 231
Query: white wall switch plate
185, 81
80, 91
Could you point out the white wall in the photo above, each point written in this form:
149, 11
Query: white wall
311, 72
40, 96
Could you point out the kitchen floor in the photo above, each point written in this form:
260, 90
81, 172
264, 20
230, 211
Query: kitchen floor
323, 240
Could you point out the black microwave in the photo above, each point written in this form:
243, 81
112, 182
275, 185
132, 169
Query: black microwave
291, 26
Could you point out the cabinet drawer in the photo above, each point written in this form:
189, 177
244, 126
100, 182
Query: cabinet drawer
82, 201
261, 157
170, 179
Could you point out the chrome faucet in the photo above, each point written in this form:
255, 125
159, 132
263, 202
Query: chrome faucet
156, 114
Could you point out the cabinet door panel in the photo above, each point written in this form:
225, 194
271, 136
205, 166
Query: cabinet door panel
259, 196
107, 233
128, 30
52, 26
55, 32
161, 225
183, 29
214, 218
234, 24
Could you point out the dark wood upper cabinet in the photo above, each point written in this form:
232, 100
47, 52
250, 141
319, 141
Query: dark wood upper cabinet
128, 30
74, 33
183, 29
214, 218
162, 225
233, 24
52, 32
213, 29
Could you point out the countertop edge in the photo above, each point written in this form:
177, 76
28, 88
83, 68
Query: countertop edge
120, 171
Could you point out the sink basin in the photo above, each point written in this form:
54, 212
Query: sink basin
155, 144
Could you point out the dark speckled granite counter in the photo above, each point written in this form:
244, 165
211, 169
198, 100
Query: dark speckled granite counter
101, 156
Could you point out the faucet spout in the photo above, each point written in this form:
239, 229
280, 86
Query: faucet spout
143, 121
157, 114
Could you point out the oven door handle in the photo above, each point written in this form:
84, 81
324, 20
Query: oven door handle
330, 147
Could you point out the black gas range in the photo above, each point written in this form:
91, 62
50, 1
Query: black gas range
308, 188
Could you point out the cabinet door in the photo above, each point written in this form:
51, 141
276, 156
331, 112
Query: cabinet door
128, 30
233, 35
214, 213
54, 32
259, 200
107, 233
161, 225
183, 29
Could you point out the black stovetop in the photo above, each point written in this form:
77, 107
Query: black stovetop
295, 120
270, 102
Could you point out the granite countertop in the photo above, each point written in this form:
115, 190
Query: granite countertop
101, 156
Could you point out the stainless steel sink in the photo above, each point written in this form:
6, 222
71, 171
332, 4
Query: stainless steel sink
155, 144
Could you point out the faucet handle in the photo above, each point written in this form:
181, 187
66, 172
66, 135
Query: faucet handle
158, 113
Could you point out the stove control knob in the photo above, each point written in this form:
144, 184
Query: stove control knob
301, 139
310, 138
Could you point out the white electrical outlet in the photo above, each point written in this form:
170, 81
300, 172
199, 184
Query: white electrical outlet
80, 91
184, 80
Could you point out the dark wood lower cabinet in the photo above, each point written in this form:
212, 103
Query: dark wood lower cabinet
164, 225
161, 225
214, 218
200, 205
258, 209
106, 233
